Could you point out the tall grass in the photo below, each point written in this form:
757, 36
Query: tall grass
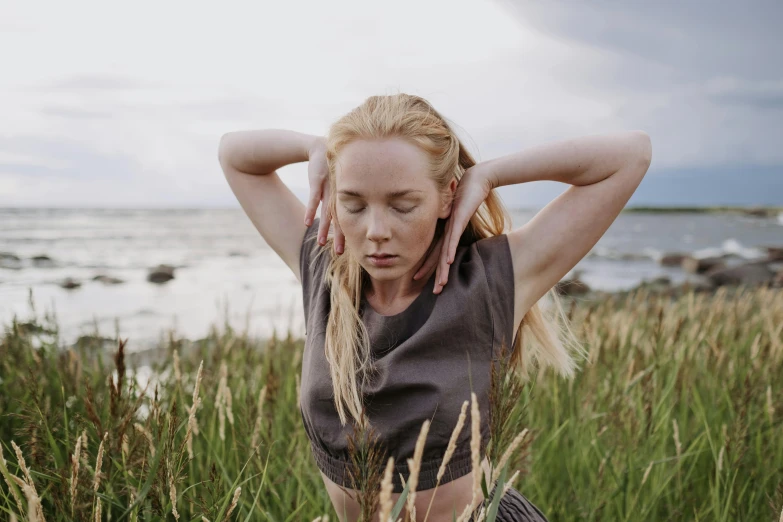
678, 415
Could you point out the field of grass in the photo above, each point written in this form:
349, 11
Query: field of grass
677, 415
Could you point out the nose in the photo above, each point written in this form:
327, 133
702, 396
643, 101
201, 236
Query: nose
378, 229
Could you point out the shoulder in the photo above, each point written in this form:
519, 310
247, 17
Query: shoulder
312, 255
313, 261
495, 254
496, 259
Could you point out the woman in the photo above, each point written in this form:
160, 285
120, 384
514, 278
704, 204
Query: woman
407, 304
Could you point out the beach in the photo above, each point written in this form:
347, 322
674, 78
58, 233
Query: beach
222, 268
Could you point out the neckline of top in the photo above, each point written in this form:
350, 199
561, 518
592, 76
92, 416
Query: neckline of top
414, 304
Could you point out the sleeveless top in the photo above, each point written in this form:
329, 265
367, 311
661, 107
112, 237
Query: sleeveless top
429, 358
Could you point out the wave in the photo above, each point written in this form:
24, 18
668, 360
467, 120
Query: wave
730, 247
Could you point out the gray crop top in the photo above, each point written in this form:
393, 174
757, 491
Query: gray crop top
422, 358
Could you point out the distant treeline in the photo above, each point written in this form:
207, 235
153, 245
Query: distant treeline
770, 211
755, 210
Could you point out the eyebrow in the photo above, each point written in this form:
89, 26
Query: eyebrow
389, 195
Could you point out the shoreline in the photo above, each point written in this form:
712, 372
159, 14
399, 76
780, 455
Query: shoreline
158, 352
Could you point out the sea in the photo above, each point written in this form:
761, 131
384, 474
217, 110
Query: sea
225, 274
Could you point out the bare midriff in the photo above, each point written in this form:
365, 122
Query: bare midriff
450, 497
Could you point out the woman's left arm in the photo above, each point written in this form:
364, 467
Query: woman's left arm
604, 171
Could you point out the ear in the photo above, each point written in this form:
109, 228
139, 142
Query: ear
446, 201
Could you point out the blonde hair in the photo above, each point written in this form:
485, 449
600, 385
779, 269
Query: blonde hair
347, 343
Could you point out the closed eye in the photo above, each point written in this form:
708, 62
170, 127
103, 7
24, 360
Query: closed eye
401, 211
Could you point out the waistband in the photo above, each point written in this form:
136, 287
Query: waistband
459, 465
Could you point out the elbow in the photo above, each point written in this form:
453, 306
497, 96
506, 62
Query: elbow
644, 148
223, 149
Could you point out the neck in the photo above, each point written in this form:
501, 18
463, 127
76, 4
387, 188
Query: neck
385, 294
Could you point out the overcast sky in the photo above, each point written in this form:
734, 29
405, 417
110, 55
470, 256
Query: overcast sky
107, 104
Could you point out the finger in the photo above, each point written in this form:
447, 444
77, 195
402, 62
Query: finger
447, 240
444, 267
312, 205
339, 239
436, 287
458, 224
323, 229
438, 272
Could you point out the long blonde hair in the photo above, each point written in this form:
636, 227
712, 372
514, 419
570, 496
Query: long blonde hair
347, 343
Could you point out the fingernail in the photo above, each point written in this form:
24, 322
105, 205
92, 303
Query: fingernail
339, 250
308, 222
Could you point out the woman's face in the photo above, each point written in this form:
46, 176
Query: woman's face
387, 204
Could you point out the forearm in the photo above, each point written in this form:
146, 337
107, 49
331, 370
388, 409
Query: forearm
578, 161
263, 151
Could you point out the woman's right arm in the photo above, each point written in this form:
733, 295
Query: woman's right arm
249, 160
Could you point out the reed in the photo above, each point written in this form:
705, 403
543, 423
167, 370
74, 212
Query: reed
676, 415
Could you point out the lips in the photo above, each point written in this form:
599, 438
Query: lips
381, 256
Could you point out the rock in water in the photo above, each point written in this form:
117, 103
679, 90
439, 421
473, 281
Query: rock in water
161, 274
699, 266
748, 274
70, 283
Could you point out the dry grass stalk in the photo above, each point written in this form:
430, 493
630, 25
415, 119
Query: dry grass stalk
177, 372
449, 452
509, 484
481, 515
229, 412
75, 470
234, 502
34, 510
125, 446
770, 408
386, 492
10, 488
223, 402
23, 465
677, 444
84, 445
98, 461
414, 466
507, 455
141, 429
173, 497
192, 423
647, 473
475, 448
32, 495
98, 509
192, 417
259, 417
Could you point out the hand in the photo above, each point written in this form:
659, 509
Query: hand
472, 189
318, 175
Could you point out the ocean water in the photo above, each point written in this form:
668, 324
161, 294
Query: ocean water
225, 272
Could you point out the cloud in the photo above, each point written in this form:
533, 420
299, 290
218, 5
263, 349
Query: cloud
93, 82
31, 156
754, 94
703, 78
100, 102
73, 113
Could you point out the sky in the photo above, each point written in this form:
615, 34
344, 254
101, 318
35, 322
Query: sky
123, 105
